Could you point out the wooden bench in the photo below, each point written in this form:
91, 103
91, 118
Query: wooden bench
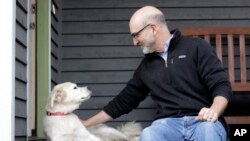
229, 43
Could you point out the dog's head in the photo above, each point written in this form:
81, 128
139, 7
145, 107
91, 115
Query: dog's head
69, 93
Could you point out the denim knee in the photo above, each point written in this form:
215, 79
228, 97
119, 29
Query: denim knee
207, 127
146, 131
208, 131
148, 134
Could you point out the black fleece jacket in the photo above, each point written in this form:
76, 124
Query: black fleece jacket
189, 80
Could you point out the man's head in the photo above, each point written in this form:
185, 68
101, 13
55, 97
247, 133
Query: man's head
149, 29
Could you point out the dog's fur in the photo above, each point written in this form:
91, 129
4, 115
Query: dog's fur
67, 97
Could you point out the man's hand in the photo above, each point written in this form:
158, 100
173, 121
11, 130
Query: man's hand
100, 117
215, 111
83, 121
207, 114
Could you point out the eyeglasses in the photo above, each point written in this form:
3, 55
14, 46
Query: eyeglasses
136, 34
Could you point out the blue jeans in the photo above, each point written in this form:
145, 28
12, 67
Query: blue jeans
184, 129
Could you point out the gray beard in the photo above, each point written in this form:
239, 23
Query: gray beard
146, 50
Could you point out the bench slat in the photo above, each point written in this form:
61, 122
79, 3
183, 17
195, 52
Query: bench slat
237, 119
219, 47
207, 38
240, 87
215, 30
243, 74
231, 58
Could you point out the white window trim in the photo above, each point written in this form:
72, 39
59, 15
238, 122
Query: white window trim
7, 71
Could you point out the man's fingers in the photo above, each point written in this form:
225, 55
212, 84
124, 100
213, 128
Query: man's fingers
200, 115
207, 114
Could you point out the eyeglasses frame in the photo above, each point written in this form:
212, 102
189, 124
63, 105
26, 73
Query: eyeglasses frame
136, 34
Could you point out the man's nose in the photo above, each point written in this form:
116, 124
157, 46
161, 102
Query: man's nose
135, 41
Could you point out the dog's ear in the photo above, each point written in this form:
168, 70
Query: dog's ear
57, 96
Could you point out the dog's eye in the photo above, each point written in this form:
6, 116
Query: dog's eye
75, 87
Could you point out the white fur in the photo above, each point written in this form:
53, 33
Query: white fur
66, 98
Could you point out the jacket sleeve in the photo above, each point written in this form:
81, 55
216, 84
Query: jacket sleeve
212, 71
128, 99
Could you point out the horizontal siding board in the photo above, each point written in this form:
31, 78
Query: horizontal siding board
97, 40
136, 114
95, 27
21, 126
54, 75
54, 15
105, 89
20, 108
54, 62
96, 14
158, 3
105, 77
23, 4
114, 52
209, 23
54, 10
97, 77
108, 39
54, 36
122, 26
21, 35
21, 16
56, 2
54, 24
100, 64
171, 14
21, 90
53, 84
54, 49
20, 71
115, 124
21, 53
101, 52
100, 102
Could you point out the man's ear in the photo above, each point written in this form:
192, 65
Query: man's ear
57, 96
154, 28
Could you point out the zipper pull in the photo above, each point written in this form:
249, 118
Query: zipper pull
172, 61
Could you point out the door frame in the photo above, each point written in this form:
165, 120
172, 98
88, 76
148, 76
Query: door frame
43, 69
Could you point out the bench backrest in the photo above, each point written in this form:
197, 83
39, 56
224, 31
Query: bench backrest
233, 43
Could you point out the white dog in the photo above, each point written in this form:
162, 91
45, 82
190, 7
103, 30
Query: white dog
60, 124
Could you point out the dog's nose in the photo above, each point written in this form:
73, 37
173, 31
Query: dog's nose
89, 88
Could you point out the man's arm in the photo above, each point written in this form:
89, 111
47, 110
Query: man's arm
216, 79
215, 111
100, 117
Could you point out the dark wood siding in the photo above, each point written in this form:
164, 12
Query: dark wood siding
97, 49
55, 41
21, 67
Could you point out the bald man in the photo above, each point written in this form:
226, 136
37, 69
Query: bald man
184, 77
